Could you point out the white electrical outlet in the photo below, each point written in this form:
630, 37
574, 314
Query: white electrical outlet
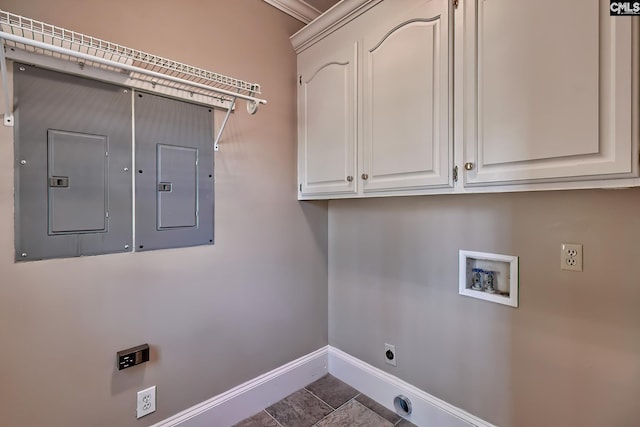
571, 257
390, 354
146, 402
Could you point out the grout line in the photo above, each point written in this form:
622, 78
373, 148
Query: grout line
314, 395
335, 409
367, 408
378, 413
354, 398
344, 404
401, 420
332, 408
271, 416
326, 416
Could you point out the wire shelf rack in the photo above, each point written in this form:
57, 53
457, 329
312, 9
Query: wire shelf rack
40, 38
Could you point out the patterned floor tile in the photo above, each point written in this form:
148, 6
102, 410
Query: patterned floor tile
261, 419
378, 409
309, 407
332, 390
405, 423
354, 414
301, 409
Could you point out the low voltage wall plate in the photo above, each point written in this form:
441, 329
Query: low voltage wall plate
133, 356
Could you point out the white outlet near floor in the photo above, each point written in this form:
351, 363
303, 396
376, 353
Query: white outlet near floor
146, 402
390, 354
571, 257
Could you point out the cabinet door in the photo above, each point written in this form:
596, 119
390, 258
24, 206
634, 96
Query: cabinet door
406, 89
326, 119
547, 91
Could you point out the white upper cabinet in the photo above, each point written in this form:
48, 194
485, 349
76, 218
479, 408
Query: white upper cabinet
546, 91
373, 100
408, 97
326, 119
405, 86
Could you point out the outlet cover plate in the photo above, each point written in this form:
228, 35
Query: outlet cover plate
390, 350
571, 257
146, 402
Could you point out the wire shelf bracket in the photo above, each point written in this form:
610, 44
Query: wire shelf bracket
46, 45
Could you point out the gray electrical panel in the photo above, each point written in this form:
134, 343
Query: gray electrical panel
73, 158
78, 184
177, 186
174, 173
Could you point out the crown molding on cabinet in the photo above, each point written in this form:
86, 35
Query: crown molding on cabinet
334, 18
297, 8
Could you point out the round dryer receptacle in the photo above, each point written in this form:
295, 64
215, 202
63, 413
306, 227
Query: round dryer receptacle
402, 405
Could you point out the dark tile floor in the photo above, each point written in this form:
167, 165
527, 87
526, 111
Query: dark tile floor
327, 402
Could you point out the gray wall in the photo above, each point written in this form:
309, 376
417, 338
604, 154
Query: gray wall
218, 316
568, 356
214, 316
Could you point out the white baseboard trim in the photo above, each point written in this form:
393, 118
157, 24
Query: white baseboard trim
382, 387
253, 396
249, 398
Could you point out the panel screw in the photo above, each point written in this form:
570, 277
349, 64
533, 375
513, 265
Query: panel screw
126, 246
22, 69
23, 254
126, 169
23, 162
125, 91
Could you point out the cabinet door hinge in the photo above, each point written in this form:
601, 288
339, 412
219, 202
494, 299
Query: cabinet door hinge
455, 3
300, 187
300, 80
455, 174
